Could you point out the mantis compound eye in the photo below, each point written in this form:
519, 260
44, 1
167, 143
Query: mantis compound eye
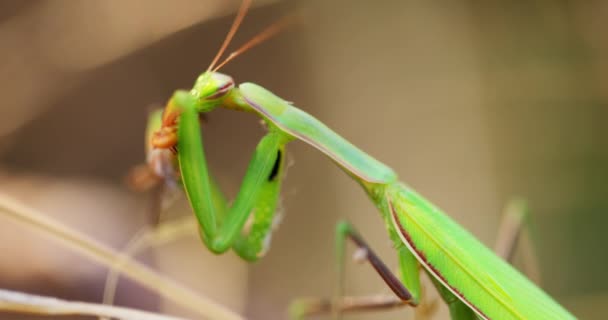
221, 91
212, 86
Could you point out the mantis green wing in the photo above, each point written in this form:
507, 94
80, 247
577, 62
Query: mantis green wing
482, 280
459, 262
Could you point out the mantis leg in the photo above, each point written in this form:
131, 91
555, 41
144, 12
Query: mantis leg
510, 229
514, 233
254, 241
407, 289
458, 310
407, 264
259, 189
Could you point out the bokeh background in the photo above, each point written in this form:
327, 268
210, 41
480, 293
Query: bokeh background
470, 102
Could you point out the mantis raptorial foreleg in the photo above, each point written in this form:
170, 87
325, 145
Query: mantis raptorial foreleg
256, 202
258, 194
254, 241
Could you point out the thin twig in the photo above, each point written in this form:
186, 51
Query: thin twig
106, 256
35, 304
147, 238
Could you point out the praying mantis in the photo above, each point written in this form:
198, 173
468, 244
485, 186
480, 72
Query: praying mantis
473, 281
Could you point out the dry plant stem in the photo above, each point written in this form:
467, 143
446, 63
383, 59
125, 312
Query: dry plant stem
35, 304
130, 250
316, 306
100, 253
148, 237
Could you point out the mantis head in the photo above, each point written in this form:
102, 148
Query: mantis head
210, 87
208, 92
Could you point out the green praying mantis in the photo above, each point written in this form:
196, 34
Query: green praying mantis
472, 280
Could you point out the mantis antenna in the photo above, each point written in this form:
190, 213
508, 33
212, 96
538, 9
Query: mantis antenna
267, 33
235, 26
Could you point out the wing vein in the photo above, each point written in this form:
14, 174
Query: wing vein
448, 254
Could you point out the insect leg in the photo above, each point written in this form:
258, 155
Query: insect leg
254, 240
513, 233
406, 289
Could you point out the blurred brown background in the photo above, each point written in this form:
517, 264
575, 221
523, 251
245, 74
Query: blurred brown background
471, 103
